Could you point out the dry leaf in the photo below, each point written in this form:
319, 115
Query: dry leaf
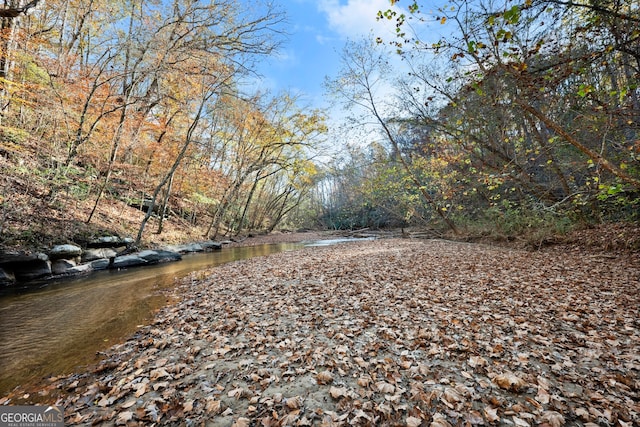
509, 381
128, 404
158, 373
413, 422
553, 418
336, 392
520, 422
491, 414
364, 381
385, 387
124, 417
212, 406
475, 361
542, 396
293, 402
324, 377
439, 420
242, 422
238, 393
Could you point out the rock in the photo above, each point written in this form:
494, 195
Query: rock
128, 261
33, 270
65, 252
99, 264
26, 266
110, 242
6, 278
83, 268
14, 257
210, 245
61, 266
183, 249
99, 253
154, 257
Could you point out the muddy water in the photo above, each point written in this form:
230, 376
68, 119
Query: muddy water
63, 325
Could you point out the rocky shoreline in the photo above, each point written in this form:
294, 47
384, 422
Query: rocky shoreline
24, 268
386, 332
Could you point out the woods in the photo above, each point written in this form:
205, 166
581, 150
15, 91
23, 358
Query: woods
495, 115
149, 104
499, 118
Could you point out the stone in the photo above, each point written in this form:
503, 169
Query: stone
128, 261
17, 257
154, 257
61, 266
6, 278
98, 253
110, 242
31, 270
210, 245
100, 264
192, 247
81, 269
65, 252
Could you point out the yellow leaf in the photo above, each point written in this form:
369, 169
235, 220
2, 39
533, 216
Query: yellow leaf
443, 20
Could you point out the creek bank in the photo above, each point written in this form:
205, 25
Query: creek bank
384, 332
24, 268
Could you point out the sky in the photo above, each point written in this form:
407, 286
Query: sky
318, 30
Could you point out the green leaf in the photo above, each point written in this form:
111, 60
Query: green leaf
512, 16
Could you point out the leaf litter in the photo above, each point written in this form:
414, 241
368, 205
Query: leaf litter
389, 332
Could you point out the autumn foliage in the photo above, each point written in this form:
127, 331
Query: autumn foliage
142, 103
505, 116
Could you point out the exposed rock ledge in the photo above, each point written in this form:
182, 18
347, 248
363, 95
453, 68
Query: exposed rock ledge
108, 252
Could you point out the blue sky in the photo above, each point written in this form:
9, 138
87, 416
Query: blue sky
318, 29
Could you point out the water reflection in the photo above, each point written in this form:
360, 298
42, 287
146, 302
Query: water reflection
51, 331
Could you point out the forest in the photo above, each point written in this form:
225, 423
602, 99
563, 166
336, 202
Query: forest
476, 118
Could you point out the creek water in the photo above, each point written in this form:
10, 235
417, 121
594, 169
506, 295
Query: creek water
51, 330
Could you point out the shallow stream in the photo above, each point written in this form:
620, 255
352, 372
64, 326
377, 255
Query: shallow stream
62, 325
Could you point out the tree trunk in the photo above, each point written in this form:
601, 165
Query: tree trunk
593, 155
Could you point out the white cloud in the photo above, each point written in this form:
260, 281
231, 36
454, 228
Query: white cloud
357, 18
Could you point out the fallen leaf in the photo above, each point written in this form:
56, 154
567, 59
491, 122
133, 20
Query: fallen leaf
129, 403
413, 422
212, 406
124, 417
293, 402
385, 387
553, 418
509, 381
542, 396
520, 422
491, 414
324, 377
439, 420
242, 422
336, 392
